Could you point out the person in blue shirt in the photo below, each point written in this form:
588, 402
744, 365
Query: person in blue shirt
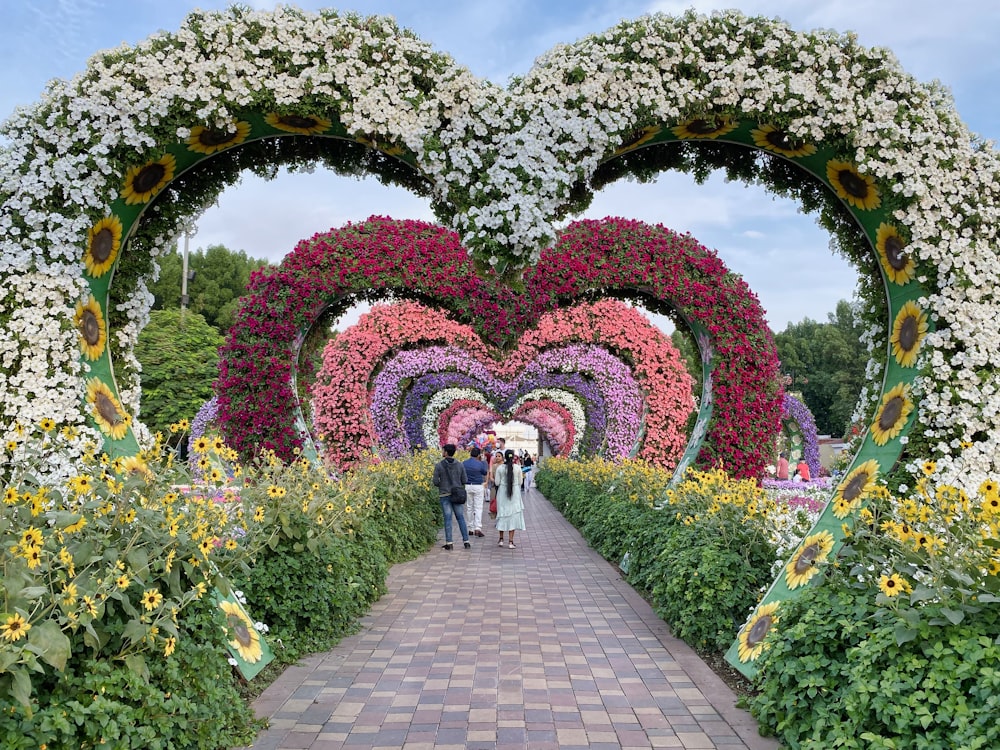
475, 487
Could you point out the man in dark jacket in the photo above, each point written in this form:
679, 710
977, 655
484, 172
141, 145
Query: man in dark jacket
448, 474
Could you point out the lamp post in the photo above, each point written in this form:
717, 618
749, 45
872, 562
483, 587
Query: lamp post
186, 274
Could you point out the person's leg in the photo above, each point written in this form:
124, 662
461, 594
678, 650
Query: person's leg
510, 538
446, 510
460, 515
476, 498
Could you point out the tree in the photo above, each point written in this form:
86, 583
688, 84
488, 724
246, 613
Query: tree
220, 279
826, 362
179, 354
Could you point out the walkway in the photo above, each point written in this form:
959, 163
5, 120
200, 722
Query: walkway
544, 647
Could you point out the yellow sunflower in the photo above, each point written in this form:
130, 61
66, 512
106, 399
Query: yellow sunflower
853, 487
777, 141
89, 321
144, 181
700, 127
894, 585
302, 124
908, 332
151, 599
891, 418
169, 645
805, 563
895, 261
245, 640
751, 638
14, 628
852, 186
643, 136
384, 148
209, 140
104, 240
108, 413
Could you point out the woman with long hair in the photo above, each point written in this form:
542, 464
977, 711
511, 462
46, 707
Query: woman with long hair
510, 506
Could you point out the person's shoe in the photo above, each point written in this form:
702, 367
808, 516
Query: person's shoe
501, 543
447, 546
468, 545
512, 545
477, 532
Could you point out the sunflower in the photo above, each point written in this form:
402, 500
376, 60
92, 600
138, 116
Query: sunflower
302, 124
891, 418
122, 582
151, 599
169, 645
104, 240
135, 466
701, 127
31, 537
853, 487
146, 180
769, 138
751, 638
895, 261
108, 413
804, 564
89, 321
258, 514
90, 607
209, 140
385, 149
200, 445
10, 496
893, 585
246, 640
639, 138
908, 332
14, 628
852, 186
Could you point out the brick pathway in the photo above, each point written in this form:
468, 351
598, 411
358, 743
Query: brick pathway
544, 647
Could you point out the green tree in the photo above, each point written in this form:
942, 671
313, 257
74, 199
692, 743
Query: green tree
220, 279
826, 362
179, 354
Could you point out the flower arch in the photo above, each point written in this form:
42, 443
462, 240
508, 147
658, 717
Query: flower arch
352, 359
99, 177
799, 427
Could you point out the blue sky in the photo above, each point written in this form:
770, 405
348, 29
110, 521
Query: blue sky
781, 253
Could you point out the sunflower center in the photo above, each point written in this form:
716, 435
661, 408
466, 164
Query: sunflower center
107, 409
702, 127
240, 630
908, 333
759, 629
101, 245
298, 121
148, 178
854, 487
852, 183
806, 558
215, 137
90, 328
780, 140
894, 253
890, 413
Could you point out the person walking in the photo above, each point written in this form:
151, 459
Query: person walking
475, 487
782, 471
449, 474
527, 464
491, 483
510, 506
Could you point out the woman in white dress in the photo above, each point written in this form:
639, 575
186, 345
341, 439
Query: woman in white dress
510, 506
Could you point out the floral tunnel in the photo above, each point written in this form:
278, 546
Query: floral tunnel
799, 434
621, 413
842, 129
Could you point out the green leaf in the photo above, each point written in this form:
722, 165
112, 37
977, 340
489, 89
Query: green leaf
51, 644
904, 634
137, 665
922, 594
21, 686
955, 616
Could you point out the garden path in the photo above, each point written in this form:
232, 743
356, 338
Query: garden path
544, 647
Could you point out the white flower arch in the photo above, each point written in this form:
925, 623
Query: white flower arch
99, 171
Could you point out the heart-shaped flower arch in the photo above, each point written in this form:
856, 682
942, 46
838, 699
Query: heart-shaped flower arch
895, 174
352, 358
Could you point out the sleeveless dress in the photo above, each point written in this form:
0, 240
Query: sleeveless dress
510, 510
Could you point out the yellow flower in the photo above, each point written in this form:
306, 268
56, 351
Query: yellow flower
638, 139
908, 333
274, 491
168, 564
200, 445
205, 546
10, 496
768, 137
69, 594
891, 418
122, 582
705, 127
169, 645
892, 256
144, 181
245, 638
89, 321
90, 607
853, 488
302, 124
14, 628
928, 468
231, 544
107, 412
893, 585
32, 537
751, 637
209, 140
258, 514
852, 186
804, 564
47, 424
104, 240
151, 599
